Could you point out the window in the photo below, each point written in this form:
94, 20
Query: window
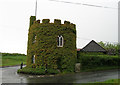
60, 41
35, 39
33, 59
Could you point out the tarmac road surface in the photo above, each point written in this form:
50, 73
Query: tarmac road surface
9, 75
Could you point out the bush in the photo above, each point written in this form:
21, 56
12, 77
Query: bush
96, 60
34, 71
52, 71
37, 71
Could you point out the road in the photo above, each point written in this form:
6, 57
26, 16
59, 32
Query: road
9, 75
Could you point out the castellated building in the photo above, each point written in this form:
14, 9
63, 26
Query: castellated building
51, 45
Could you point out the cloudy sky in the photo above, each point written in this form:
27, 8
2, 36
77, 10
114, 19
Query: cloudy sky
92, 23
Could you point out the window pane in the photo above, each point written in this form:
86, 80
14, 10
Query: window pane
57, 41
60, 41
33, 59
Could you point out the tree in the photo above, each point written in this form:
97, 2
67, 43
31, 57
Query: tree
111, 48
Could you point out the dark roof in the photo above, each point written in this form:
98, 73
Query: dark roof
93, 47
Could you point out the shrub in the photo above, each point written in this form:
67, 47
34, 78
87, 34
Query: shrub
96, 60
52, 71
37, 71
34, 71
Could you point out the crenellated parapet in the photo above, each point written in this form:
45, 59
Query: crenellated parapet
56, 22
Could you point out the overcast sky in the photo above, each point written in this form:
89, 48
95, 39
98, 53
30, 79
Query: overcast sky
92, 23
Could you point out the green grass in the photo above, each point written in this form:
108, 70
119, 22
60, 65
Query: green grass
107, 82
111, 81
13, 60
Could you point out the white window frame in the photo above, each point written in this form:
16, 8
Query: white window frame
35, 39
33, 59
59, 41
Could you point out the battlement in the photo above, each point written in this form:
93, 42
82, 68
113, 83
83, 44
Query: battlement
57, 22
66, 22
45, 21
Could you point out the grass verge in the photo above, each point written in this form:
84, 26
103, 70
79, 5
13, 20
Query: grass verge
107, 82
111, 81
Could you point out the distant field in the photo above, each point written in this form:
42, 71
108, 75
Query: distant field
13, 60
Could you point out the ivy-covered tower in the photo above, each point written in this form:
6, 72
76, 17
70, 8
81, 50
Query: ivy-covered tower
51, 45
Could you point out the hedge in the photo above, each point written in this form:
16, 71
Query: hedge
12, 54
88, 60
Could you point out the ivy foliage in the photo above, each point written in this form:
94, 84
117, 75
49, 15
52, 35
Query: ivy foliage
45, 49
32, 19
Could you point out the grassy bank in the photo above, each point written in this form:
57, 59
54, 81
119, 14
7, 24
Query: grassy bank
107, 82
111, 81
12, 60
